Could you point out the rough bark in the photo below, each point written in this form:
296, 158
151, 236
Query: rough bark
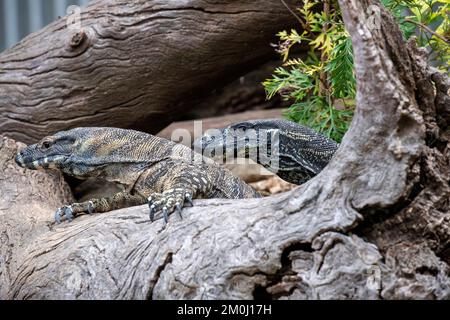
137, 64
26, 199
374, 224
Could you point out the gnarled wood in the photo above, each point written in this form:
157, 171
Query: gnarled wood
373, 224
26, 199
137, 64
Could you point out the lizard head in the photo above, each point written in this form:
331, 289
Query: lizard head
80, 152
279, 145
49, 153
242, 140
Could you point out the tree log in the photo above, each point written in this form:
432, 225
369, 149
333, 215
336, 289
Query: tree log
26, 199
137, 64
375, 223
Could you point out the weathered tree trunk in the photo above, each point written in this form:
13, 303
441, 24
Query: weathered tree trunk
374, 224
26, 200
137, 64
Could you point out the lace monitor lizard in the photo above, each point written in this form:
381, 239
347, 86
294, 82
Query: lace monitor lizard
167, 175
153, 170
300, 152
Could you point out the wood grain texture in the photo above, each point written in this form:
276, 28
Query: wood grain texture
374, 224
26, 200
136, 64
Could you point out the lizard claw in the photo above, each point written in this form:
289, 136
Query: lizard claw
65, 211
189, 199
178, 210
58, 215
152, 212
168, 202
165, 215
73, 210
68, 212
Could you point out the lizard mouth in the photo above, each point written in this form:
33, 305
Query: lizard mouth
49, 162
213, 146
227, 143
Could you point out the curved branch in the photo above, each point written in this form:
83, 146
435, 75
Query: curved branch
429, 30
387, 183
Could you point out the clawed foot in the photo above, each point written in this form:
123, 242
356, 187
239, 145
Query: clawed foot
168, 202
72, 211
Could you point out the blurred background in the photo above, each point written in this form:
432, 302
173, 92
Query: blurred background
18, 18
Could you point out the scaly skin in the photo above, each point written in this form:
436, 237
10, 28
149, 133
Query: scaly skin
153, 170
300, 152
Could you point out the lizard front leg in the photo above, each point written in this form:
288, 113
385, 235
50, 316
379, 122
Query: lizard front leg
189, 183
118, 201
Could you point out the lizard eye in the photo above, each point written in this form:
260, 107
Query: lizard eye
46, 145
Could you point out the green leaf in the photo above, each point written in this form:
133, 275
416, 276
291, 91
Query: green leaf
340, 68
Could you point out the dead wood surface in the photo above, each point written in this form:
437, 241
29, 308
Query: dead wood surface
373, 224
27, 199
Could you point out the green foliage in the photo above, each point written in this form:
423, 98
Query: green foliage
322, 85
340, 69
429, 21
326, 75
398, 9
312, 113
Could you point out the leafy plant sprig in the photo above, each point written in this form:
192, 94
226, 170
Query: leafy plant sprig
322, 84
